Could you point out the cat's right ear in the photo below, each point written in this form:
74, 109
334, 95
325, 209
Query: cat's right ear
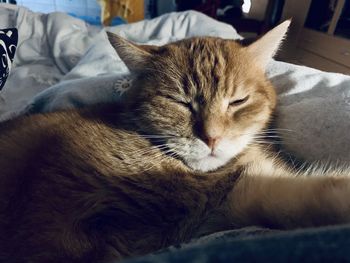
136, 57
266, 47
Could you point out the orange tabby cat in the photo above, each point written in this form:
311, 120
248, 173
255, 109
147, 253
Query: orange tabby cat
180, 159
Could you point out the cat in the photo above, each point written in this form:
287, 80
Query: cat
180, 158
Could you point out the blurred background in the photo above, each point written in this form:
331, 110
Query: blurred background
319, 36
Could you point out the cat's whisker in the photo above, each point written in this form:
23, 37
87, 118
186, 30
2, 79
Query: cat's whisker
267, 136
149, 152
275, 142
279, 129
137, 140
149, 161
267, 142
282, 134
156, 136
163, 154
173, 154
145, 154
153, 136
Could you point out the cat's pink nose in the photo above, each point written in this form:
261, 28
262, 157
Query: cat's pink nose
212, 142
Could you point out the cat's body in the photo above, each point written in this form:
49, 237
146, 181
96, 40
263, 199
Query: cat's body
75, 190
106, 183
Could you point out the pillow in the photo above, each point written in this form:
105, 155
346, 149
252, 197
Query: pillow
8, 44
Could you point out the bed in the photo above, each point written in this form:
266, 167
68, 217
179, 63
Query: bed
61, 62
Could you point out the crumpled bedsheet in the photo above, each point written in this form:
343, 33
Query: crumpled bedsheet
323, 244
61, 62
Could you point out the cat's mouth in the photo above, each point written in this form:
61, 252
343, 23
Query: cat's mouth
208, 163
201, 158
198, 156
207, 160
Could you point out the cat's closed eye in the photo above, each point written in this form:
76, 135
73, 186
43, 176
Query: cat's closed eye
183, 103
188, 105
237, 102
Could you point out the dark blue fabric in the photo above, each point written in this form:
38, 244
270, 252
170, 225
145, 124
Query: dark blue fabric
325, 244
8, 45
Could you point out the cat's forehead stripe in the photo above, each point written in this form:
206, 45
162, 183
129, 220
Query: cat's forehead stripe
205, 67
208, 67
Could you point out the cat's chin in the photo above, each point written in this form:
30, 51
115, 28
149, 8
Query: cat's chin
207, 164
198, 156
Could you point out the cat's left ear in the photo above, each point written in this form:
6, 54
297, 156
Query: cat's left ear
136, 57
266, 47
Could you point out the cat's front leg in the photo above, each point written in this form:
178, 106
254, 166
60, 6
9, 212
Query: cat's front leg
289, 201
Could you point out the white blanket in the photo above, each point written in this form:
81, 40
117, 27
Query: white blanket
61, 62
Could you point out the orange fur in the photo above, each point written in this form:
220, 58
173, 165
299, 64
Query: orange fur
110, 182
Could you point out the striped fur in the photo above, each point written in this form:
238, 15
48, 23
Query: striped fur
116, 181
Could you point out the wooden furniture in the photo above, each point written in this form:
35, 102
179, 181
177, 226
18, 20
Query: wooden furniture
130, 10
319, 35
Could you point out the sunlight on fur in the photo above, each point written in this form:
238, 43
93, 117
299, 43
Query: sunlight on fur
185, 154
235, 100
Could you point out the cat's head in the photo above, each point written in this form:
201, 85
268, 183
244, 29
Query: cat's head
205, 98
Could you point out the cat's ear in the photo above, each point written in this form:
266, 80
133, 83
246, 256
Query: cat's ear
136, 57
266, 47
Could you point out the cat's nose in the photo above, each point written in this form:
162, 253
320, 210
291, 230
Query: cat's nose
212, 142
